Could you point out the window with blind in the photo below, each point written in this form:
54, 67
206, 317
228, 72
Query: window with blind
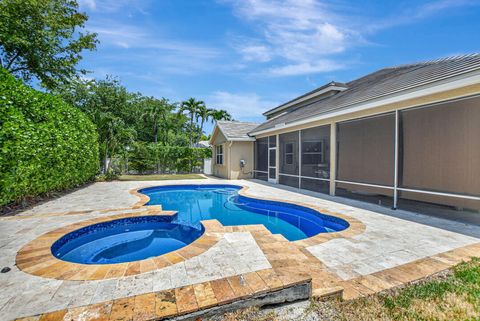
219, 154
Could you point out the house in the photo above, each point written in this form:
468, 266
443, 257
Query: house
232, 149
405, 135
202, 144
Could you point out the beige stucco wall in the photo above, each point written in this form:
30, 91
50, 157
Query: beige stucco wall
233, 152
220, 170
239, 151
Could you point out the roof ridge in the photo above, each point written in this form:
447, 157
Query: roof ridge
434, 61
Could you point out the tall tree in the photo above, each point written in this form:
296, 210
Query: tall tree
107, 103
153, 112
191, 106
43, 39
204, 114
220, 114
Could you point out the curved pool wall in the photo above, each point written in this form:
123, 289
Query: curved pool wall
222, 202
125, 240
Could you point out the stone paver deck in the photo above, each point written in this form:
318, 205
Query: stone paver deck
378, 252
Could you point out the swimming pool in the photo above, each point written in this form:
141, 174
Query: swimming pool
125, 240
223, 203
138, 238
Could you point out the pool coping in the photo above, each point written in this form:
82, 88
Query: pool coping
36, 257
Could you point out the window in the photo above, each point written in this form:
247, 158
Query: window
219, 154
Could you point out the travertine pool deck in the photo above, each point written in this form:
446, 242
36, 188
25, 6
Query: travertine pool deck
379, 251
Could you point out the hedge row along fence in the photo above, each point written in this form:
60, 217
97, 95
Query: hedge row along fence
45, 144
150, 157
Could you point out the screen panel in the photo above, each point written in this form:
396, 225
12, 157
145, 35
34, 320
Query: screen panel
289, 158
261, 154
441, 147
315, 185
366, 150
260, 175
440, 152
316, 152
272, 141
288, 180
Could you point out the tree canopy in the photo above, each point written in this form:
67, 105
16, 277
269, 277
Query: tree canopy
43, 39
126, 120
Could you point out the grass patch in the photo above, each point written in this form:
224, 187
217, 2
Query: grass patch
159, 177
453, 296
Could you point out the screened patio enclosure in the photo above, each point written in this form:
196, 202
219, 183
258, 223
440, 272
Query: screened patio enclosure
303, 160
427, 154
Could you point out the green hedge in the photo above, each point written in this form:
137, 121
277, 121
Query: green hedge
45, 144
149, 156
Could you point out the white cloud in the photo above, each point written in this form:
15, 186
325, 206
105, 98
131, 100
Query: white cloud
242, 106
256, 53
299, 37
133, 43
415, 13
305, 68
128, 36
90, 4
114, 5
294, 35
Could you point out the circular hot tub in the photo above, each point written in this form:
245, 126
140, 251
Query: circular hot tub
124, 240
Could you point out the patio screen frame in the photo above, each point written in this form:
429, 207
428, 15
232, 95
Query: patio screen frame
298, 154
395, 187
260, 173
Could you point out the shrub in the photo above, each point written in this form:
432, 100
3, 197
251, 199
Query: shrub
148, 157
45, 144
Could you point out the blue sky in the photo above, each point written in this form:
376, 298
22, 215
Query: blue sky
247, 56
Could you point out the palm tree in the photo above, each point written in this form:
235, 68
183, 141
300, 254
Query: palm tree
220, 114
203, 113
192, 106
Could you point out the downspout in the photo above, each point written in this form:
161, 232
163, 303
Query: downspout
229, 176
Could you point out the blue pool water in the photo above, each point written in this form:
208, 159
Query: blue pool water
137, 238
125, 240
222, 202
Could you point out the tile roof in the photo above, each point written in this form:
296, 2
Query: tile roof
379, 84
236, 130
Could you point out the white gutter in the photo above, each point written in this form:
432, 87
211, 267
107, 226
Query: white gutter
239, 139
432, 89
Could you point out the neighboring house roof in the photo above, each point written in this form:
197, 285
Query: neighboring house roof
236, 130
202, 144
378, 87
